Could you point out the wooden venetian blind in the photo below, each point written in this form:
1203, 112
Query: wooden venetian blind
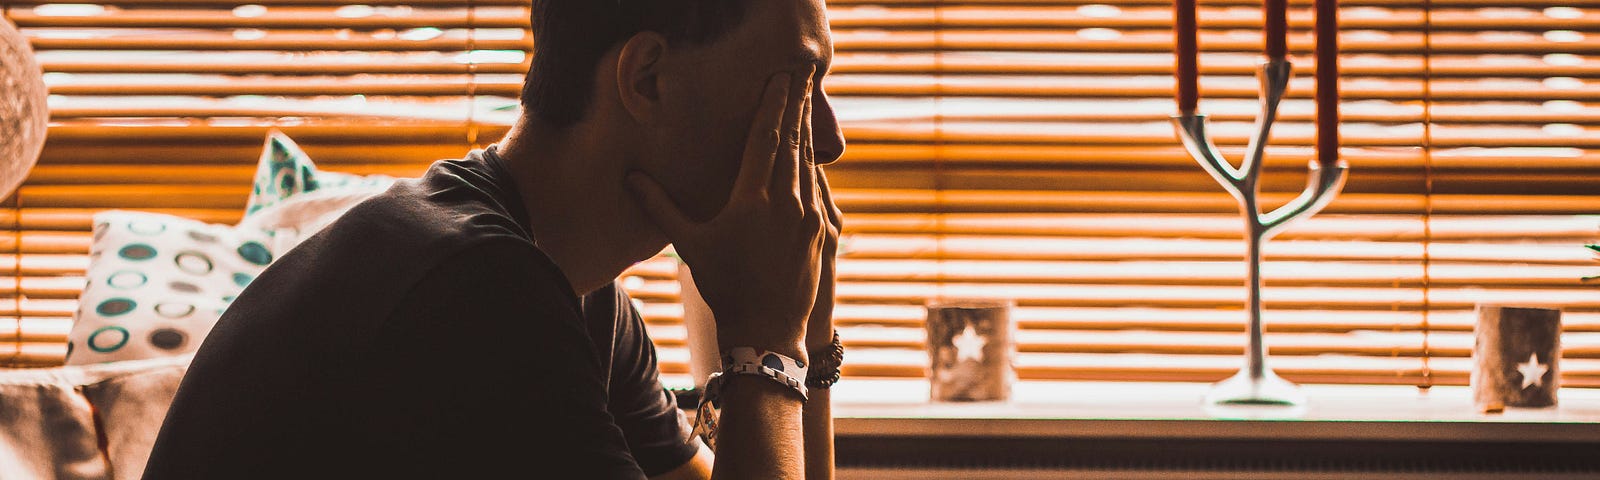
998, 148
162, 105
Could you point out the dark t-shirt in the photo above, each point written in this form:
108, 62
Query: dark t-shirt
424, 335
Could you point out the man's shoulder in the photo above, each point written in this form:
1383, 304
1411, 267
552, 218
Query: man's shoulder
375, 253
452, 204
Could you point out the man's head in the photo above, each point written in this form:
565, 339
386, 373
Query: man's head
680, 79
570, 37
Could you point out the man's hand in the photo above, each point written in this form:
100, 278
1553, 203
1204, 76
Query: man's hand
756, 262
756, 265
819, 329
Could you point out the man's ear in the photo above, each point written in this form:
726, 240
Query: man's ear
639, 75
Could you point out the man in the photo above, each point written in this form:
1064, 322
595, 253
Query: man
466, 324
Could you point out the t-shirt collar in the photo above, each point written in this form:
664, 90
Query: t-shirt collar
509, 195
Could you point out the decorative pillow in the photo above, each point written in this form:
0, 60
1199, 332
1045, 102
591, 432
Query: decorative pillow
286, 172
293, 200
157, 283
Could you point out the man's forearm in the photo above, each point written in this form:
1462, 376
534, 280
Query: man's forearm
759, 432
818, 422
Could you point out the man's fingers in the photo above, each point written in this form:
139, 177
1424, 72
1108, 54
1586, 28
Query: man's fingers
761, 143
808, 170
835, 216
659, 206
785, 187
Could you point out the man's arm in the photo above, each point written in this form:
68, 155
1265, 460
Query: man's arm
756, 264
697, 468
649, 416
818, 413
818, 420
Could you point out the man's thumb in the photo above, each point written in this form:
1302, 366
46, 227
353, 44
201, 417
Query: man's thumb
658, 205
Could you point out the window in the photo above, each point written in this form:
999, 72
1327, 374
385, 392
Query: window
1008, 148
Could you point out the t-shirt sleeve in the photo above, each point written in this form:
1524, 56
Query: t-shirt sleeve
647, 413
495, 373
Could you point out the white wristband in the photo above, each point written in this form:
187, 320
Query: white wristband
776, 366
746, 361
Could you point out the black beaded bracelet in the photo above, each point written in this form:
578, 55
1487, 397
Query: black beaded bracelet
825, 373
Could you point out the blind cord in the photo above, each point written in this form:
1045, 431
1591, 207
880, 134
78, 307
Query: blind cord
16, 275
472, 75
16, 256
1427, 193
940, 210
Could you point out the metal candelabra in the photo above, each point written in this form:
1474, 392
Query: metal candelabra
1256, 384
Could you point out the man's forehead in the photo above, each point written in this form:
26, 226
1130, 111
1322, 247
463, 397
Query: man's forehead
794, 31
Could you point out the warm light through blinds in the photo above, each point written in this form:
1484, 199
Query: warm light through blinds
1008, 148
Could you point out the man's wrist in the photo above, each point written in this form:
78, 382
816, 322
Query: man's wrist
792, 349
751, 386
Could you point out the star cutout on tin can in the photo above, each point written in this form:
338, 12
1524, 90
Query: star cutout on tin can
1532, 372
969, 345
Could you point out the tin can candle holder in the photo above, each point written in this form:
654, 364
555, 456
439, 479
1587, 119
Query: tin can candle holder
971, 344
1516, 357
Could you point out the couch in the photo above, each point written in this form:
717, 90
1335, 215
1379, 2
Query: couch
84, 422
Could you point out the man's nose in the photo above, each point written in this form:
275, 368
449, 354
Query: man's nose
827, 139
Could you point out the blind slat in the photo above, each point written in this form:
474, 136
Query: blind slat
1039, 17
842, 19
279, 41
301, 19
225, 63
223, 66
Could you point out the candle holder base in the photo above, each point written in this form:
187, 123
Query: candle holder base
1244, 389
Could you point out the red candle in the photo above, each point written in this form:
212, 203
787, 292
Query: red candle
1277, 34
1327, 82
1188, 52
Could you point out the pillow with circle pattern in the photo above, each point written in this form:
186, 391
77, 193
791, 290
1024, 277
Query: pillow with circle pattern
157, 283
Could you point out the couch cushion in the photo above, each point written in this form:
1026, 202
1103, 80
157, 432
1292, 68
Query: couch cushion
52, 419
131, 405
46, 428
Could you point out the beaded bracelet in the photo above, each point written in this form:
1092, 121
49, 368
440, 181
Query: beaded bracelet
824, 373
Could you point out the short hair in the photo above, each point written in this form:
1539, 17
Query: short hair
570, 36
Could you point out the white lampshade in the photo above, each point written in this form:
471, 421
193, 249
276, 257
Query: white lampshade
24, 113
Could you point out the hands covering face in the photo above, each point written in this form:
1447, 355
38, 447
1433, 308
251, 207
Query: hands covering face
759, 262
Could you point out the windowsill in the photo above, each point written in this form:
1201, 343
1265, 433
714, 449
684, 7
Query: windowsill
900, 408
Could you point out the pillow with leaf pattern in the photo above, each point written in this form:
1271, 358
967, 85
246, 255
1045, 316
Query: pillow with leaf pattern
293, 200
